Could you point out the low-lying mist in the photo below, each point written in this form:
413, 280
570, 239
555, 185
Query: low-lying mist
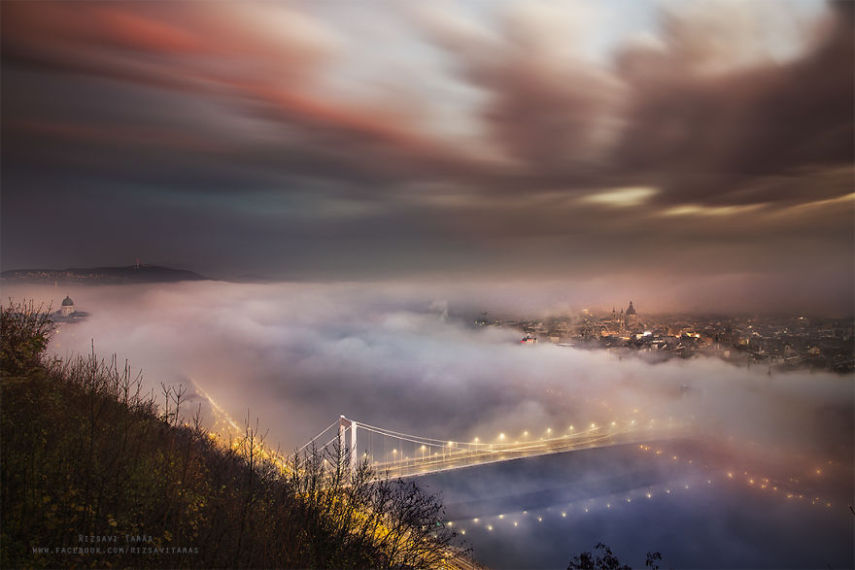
296, 356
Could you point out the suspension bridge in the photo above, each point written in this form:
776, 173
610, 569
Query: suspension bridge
393, 454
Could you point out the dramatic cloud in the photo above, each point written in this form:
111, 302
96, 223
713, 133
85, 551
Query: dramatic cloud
525, 139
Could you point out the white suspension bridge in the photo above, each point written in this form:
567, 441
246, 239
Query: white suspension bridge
393, 454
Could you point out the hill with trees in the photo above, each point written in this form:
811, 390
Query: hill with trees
95, 474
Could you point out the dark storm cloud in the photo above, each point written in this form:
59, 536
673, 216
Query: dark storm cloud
711, 137
250, 130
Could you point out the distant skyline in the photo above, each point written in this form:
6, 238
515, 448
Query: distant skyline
697, 148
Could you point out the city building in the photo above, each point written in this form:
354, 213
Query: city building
67, 307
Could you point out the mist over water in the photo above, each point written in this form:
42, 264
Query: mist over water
402, 357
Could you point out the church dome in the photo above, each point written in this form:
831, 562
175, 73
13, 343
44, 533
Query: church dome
67, 302
630, 310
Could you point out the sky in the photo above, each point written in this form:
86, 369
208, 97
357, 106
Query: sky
662, 146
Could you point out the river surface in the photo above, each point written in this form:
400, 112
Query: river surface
698, 507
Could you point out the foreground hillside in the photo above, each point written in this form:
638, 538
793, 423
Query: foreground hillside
95, 474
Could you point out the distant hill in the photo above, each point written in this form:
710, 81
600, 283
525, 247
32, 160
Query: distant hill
103, 275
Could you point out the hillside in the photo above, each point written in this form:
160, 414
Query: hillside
103, 275
95, 474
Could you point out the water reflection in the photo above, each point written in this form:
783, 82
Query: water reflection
537, 513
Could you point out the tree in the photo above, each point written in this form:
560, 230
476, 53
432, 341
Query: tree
24, 334
606, 560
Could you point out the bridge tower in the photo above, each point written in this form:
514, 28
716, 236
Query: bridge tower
343, 424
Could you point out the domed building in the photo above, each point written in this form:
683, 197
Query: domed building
67, 307
631, 316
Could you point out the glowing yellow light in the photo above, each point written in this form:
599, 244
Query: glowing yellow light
525, 434
586, 509
729, 475
516, 523
614, 424
463, 531
649, 496
564, 515
501, 516
572, 428
539, 519
548, 430
593, 425
490, 527
501, 436
475, 520
819, 471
